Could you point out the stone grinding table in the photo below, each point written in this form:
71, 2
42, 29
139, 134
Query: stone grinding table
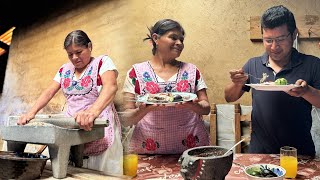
57, 132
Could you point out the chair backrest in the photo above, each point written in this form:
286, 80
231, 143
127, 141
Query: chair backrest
211, 122
240, 120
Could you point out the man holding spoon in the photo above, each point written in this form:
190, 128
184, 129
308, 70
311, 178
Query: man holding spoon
279, 118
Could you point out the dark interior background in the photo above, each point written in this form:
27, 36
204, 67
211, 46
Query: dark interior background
22, 13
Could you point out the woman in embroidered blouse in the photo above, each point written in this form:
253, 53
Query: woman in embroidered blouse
163, 129
89, 85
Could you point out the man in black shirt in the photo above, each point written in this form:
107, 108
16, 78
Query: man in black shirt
279, 118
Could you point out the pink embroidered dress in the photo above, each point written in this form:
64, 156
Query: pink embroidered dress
172, 130
81, 94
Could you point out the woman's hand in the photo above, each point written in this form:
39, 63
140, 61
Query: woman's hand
188, 104
135, 111
199, 105
25, 118
85, 119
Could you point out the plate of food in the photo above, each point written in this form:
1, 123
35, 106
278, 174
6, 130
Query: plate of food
166, 98
280, 84
272, 87
265, 171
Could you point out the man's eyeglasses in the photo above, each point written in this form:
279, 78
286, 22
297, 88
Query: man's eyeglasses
277, 40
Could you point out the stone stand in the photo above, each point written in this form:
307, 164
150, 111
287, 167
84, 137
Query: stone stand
59, 141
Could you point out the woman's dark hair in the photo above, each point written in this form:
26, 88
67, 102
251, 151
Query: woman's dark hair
277, 16
161, 27
76, 37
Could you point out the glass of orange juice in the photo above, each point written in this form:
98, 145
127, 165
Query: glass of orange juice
289, 161
130, 163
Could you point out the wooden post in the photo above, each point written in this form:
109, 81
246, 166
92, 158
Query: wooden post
237, 126
213, 125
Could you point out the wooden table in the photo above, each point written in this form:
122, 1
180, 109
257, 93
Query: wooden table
158, 166
167, 166
307, 168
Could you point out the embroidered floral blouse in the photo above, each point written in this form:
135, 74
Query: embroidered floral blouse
131, 84
106, 64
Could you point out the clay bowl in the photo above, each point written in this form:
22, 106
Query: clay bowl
22, 166
278, 170
205, 162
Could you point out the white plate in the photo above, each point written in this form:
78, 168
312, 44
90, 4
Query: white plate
186, 96
269, 87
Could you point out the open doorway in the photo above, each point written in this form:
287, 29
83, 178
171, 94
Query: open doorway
3, 66
5, 41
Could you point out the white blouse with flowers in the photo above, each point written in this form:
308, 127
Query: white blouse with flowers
107, 65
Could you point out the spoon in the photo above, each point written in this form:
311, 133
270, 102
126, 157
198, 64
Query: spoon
253, 76
234, 146
264, 77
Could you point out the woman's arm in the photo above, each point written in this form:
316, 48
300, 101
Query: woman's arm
41, 102
109, 89
134, 112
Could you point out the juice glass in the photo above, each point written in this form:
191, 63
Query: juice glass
289, 161
130, 164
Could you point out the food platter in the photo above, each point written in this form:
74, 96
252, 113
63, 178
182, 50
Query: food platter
272, 87
166, 98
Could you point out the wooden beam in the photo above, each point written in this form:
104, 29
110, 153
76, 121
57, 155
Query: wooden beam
255, 28
4, 46
308, 27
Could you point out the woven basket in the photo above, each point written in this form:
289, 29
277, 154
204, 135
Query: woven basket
21, 165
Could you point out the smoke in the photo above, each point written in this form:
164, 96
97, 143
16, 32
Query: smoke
11, 106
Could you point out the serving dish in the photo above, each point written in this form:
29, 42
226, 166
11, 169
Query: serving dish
166, 98
272, 87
